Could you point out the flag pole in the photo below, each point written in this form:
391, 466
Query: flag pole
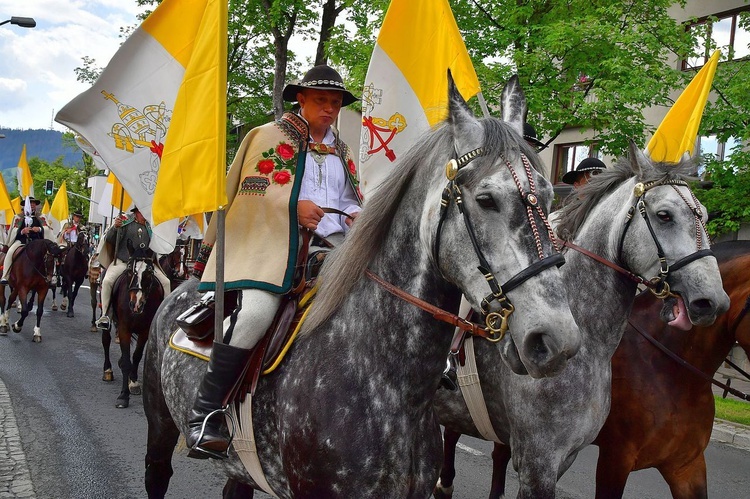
219, 293
117, 239
483, 105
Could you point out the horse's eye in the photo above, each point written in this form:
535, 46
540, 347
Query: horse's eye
664, 216
486, 201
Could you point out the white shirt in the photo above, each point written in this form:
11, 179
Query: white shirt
327, 185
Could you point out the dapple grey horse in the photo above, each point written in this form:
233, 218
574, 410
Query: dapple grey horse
630, 215
349, 412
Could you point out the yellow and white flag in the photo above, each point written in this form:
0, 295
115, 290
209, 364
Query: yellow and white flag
25, 182
677, 132
126, 114
406, 88
6, 206
45, 208
114, 198
59, 211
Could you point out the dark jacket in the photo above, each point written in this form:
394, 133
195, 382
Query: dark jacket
25, 238
138, 235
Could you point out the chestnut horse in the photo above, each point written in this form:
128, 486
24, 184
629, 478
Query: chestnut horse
30, 272
662, 414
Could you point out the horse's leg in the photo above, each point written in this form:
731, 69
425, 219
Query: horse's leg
237, 490
106, 341
53, 288
688, 482
24, 311
162, 432
133, 385
3, 312
72, 293
64, 290
37, 338
444, 487
94, 305
612, 469
500, 459
126, 366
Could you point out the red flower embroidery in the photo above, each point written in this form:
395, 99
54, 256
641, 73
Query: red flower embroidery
265, 166
352, 167
285, 151
282, 177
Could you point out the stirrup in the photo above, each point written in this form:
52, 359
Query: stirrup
103, 323
449, 379
198, 452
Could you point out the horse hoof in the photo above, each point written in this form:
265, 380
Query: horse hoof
63, 307
70, 313
134, 387
16, 328
93, 328
108, 375
4, 332
36, 339
54, 308
122, 403
117, 340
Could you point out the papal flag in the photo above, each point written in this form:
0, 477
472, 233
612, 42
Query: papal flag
675, 136
6, 206
25, 182
126, 114
406, 88
114, 198
59, 211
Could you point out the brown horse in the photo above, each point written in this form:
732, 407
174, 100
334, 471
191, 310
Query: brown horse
136, 295
662, 414
174, 267
31, 272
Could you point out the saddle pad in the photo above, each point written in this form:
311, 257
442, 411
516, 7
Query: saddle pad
180, 342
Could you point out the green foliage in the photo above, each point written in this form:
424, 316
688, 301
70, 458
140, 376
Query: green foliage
735, 411
728, 199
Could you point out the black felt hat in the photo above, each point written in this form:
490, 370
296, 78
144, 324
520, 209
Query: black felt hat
34, 200
77, 214
322, 78
529, 134
587, 165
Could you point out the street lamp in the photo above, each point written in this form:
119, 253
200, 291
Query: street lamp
24, 22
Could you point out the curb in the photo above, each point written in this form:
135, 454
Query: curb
732, 434
15, 478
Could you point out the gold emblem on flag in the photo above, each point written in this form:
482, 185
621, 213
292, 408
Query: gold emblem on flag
379, 132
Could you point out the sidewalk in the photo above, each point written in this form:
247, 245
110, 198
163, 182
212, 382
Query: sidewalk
15, 479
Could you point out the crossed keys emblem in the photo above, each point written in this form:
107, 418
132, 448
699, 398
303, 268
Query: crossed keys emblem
379, 131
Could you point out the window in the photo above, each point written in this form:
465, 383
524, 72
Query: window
567, 157
728, 32
721, 151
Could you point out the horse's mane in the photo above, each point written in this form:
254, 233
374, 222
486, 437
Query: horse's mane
346, 265
583, 200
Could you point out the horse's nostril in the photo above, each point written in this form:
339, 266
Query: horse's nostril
701, 305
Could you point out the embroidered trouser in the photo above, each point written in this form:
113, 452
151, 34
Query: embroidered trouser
114, 271
9, 258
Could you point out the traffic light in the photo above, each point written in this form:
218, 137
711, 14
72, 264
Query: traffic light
49, 187
96, 233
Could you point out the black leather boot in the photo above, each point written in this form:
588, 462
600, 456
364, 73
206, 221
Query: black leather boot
208, 435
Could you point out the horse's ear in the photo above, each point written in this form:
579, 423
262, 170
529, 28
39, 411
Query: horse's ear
459, 111
513, 102
639, 162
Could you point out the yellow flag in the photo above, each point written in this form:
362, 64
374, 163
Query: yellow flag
120, 197
59, 209
25, 182
676, 134
16, 204
193, 164
45, 208
5, 203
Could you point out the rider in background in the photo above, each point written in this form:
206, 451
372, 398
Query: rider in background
68, 235
136, 230
26, 227
583, 172
296, 165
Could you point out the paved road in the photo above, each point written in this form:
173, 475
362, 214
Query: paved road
62, 437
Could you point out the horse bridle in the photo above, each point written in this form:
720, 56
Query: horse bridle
133, 285
497, 322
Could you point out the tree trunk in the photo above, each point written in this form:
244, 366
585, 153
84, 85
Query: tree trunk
328, 21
